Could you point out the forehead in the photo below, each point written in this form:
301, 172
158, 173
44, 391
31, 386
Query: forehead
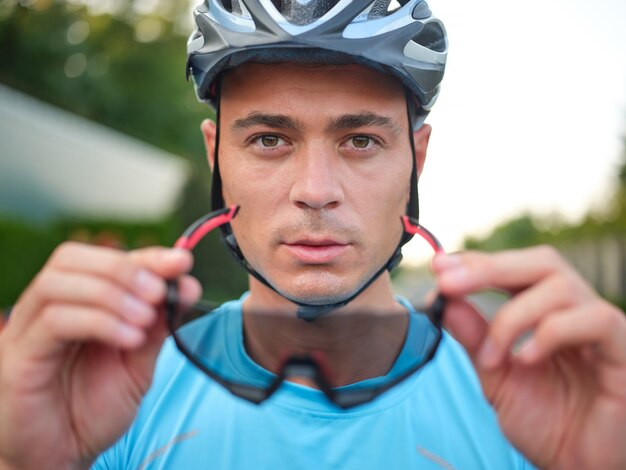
285, 87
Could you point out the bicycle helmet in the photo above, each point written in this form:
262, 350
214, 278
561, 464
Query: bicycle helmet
399, 37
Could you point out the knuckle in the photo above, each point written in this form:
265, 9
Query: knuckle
478, 264
65, 249
40, 284
49, 316
106, 294
121, 267
142, 256
608, 317
549, 254
567, 286
473, 257
550, 330
500, 322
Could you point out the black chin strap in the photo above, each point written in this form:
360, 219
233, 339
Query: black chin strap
310, 312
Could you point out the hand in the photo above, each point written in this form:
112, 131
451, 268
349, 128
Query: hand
78, 352
561, 399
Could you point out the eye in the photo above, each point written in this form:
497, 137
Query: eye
267, 141
361, 141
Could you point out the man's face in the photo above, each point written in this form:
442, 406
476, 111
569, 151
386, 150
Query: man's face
319, 159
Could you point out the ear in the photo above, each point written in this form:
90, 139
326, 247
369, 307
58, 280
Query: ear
421, 138
209, 132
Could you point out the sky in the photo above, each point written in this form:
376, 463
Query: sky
531, 114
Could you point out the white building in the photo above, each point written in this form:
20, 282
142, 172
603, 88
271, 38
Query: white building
55, 164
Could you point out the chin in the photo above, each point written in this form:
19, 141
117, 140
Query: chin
318, 289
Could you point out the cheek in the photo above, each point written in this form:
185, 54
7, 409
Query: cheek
387, 191
257, 193
244, 182
387, 203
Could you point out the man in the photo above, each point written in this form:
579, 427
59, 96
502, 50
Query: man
319, 156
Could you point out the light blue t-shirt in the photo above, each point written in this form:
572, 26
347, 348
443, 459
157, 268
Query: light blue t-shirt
436, 419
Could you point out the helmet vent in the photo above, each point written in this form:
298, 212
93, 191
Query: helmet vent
382, 8
232, 6
432, 37
302, 12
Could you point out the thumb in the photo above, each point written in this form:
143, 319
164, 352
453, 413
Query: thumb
466, 324
141, 361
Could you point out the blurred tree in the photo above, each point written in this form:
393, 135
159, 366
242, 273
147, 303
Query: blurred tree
620, 194
515, 233
603, 226
127, 74
120, 63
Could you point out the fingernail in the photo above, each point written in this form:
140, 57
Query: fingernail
446, 261
136, 310
488, 354
176, 254
454, 275
149, 284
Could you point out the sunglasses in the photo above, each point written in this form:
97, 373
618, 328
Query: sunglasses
212, 338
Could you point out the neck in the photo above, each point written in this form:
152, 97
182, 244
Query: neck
361, 340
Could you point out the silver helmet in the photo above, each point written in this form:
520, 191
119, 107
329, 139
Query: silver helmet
400, 37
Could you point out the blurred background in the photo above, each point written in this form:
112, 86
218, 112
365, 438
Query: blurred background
100, 140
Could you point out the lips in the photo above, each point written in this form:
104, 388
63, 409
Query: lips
316, 251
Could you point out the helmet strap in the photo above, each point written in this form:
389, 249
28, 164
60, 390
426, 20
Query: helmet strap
306, 311
217, 199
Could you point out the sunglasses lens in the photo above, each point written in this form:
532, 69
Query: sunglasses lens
250, 352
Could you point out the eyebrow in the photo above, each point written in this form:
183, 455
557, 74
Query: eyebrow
276, 121
345, 121
354, 121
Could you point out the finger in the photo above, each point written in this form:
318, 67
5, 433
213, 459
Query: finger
168, 263
470, 329
139, 271
466, 324
525, 310
462, 273
115, 265
190, 290
69, 288
598, 324
61, 324
141, 361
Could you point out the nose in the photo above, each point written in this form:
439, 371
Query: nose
316, 183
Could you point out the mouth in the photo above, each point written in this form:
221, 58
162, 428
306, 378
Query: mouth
322, 251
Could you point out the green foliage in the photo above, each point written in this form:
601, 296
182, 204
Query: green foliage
25, 247
23, 250
126, 70
620, 194
138, 88
516, 233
